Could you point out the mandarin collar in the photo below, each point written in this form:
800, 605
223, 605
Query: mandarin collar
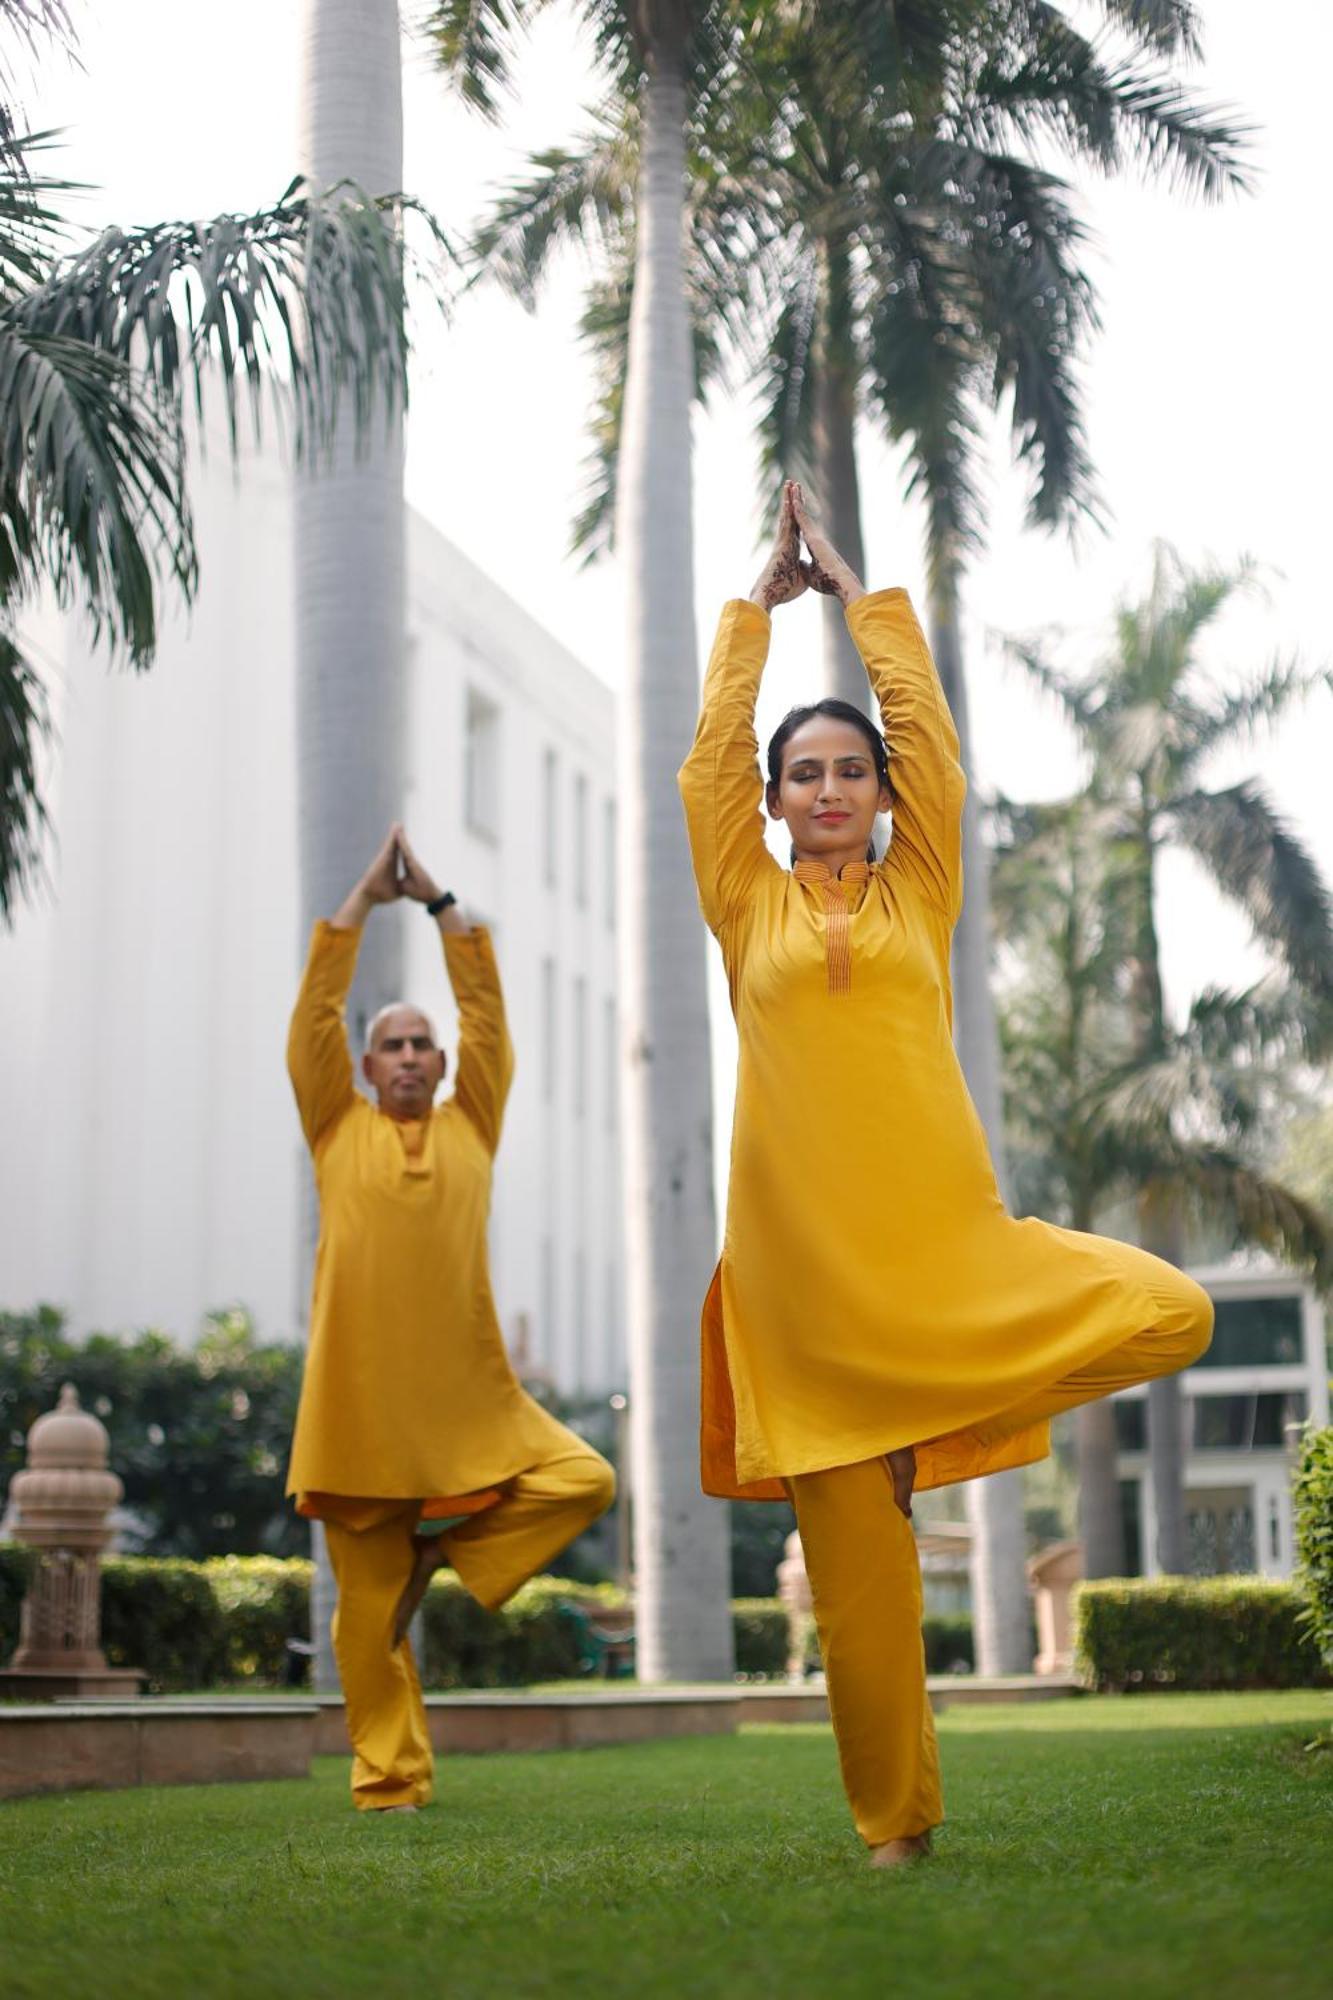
819, 871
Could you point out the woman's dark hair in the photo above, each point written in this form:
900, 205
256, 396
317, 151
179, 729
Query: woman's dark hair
837, 711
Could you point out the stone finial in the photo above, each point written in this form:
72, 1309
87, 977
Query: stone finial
63, 1499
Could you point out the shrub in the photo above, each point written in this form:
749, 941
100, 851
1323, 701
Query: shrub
264, 1602
1313, 1493
160, 1614
760, 1628
16, 1566
1195, 1633
948, 1643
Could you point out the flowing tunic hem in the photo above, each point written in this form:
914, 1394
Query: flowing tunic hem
979, 1444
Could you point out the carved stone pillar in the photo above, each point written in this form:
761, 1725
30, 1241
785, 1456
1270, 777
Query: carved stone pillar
62, 1501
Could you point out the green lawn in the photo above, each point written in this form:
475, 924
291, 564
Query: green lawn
1153, 1848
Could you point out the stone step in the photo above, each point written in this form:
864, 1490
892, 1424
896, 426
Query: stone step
74, 1746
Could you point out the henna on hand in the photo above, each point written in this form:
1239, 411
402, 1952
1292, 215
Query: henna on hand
782, 577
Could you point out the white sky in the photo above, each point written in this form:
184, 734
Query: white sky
1207, 392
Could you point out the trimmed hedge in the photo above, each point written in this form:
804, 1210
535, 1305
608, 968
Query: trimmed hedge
1195, 1633
160, 1614
1313, 1493
228, 1620
16, 1566
760, 1628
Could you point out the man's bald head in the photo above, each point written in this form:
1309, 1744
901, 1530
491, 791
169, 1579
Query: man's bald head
403, 1061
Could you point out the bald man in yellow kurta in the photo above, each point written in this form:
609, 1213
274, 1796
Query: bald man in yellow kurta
410, 1413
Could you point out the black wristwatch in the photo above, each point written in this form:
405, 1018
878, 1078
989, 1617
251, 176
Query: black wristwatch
441, 902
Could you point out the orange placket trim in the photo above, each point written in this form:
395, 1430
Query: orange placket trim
837, 918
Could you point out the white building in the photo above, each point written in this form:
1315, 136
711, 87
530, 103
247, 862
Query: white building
1266, 1371
150, 1164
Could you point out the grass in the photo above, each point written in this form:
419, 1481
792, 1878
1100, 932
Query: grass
1157, 1847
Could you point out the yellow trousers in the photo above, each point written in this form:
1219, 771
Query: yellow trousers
860, 1556
371, 1548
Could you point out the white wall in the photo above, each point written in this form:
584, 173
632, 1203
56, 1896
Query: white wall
150, 1163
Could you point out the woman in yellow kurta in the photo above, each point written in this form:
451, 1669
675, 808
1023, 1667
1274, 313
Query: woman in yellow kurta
877, 1319
414, 1443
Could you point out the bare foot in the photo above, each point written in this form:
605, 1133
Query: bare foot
426, 1560
394, 1809
898, 1853
902, 1471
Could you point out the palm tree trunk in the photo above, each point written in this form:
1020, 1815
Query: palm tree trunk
350, 579
1100, 1528
995, 1505
835, 464
1159, 1231
683, 1614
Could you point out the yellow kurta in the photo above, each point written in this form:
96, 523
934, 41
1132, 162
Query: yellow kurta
872, 1291
408, 1391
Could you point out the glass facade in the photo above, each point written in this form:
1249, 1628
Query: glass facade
1246, 1422
1252, 1333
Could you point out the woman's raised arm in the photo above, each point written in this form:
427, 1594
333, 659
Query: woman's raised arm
924, 771
720, 781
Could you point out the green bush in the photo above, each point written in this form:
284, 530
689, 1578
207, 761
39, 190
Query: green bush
161, 1615
1195, 1633
1313, 1493
264, 1602
948, 1641
16, 1566
760, 1628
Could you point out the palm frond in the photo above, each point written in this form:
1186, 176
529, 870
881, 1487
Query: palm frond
604, 327
92, 493
1025, 252
1240, 716
924, 371
32, 231
1260, 864
787, 381
1079, 700
1052, 83
310, 292
473, 44
25, 725
1169, 27
1258, 1211
36, 23
584, 196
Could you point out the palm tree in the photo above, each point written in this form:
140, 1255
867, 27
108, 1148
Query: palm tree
657, 55
104, 351
1148, 720
869, 235
350, 588
1088, 1125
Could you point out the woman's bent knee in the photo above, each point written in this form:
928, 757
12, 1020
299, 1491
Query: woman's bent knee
1188, 1319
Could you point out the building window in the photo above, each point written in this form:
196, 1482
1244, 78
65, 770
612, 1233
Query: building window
1251, 1333
1255, 1422
611, 1059
548, 1030
550, 815
1131, 1423
609, 863
481, 766
580, 1092
581, 841
1131, 1525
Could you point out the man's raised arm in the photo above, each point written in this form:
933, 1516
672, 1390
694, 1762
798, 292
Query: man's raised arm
319, 1060
485, 1052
